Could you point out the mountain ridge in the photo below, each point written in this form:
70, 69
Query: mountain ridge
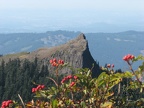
104, 47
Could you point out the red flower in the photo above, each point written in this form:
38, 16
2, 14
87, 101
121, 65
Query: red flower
128, 57
56, 63
54, 60
72, 84
125, 58
64, 79
112, 65
108, 65
60, 62
39, 87
75, 77
51, 61
6, 104
34, 90
42, 86
69, 76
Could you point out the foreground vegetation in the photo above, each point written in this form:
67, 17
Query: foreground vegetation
112, 89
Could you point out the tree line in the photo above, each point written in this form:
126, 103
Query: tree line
19, 77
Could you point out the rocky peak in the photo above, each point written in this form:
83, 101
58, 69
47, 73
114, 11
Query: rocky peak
75, 52
81, 36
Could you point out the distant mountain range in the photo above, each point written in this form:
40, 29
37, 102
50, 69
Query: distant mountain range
104, 47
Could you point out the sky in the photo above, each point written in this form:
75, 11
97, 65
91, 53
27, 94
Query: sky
74, 15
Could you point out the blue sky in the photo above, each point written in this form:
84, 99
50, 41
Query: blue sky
75, 15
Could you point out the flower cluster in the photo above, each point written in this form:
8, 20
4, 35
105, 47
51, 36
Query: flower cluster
6, 104
128, 57
68, 78
39, 87
54, 62
110, 66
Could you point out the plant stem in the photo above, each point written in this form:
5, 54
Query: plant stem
57, 75
130, 67
53, 81
21, 101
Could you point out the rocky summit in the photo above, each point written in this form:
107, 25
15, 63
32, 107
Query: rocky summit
75, 52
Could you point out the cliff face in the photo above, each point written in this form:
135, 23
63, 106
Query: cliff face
75, 52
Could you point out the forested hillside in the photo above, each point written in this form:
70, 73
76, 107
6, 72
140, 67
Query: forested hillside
18, 77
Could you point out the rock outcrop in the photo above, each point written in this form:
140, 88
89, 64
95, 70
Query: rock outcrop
75, 52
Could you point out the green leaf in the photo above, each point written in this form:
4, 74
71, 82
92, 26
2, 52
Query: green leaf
88, 73
140, 57
83, 104
50, 96
85, 91
106, 105
54, 103
43, 94
102, 75
127, 74
141, 67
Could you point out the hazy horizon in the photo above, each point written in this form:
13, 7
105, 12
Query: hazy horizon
84, 16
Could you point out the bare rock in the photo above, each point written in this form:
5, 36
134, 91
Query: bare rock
75, 52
